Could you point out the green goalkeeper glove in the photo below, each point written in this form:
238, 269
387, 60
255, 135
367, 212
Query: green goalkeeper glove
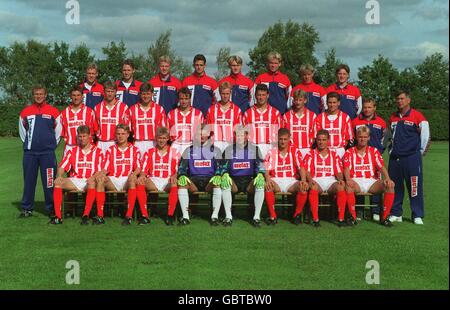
216, 180
259, 181
183, 180
226, 181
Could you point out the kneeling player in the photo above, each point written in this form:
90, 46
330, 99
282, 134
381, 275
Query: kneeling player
241, 163
283, 168
122, 164
362, 167
324, 174
84, 164
159, 171
202, 163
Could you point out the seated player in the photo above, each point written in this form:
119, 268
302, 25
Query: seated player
324, 174
223, 117
200, 171
242, 162
183, 121
159, 171
337, 123
84, 164
300, 122
362, 167
120, 170
284, 167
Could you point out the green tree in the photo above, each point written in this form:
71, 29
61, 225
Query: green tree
110, 68
222, 62
325, 74
378, 81
295, 42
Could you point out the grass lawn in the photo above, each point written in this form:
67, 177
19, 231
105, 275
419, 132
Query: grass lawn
33, 254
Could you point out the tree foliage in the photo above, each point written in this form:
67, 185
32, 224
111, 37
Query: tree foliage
325, 74
222, 62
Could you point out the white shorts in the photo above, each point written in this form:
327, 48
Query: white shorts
119, 182
325, 182
80, 183
304, 151
364, 184
285, 183
181, 147
264, 149
160, 183
221, 145
340, 151
144, 146
67, 148
104, 145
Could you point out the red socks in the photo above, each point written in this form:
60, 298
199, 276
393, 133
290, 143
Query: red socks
301, 201
270, 202
100, 203
314, 204
90, 198
172, 200
57, 200
387, 204
142, 199
351, 201
131, 202
341, 199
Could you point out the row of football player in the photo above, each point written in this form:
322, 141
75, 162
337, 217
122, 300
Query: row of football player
262, 120
205, 88
203, 167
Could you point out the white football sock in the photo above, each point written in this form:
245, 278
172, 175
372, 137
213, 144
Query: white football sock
216, 202
227, 200
183, 198
259, 200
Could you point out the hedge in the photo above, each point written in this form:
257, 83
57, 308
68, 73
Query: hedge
438, 119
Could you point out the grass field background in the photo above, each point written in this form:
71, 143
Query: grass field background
33, 254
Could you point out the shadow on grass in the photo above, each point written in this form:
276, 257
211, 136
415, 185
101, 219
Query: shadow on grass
39, 207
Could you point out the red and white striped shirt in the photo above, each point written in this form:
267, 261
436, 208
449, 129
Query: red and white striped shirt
161, 166
71, 120
364, 166
222, 123
82, 165
121, 163
108, 118
182, 126
263, 126
340, 129
144, 123
301, 128
320, 166
287, 166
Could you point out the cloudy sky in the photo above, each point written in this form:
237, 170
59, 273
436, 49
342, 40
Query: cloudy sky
409, 30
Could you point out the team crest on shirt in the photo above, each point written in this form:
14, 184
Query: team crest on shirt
243, 87
376, 126
202, 163
171, 88
350, 97
316, 94
134, 92
409, 123
206, 87
242, 165
46, 116
96, 94
281, 85
414, 185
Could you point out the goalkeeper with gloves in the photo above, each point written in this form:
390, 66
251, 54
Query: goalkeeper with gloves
241, 173
200, 170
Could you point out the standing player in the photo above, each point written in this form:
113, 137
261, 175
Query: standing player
324, 174
39, 130
108, 114
263, 121
166, 85
362, 167
316, 95
122, 166
277, 82
242, 162
223, 117
242, 87
145, 117
350, 95
128, 87
84, 164
76, 114
410, 141
183, 121
377, 126
93, 91
337, 123
300, 122
202, 87
200, 170
284, 168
